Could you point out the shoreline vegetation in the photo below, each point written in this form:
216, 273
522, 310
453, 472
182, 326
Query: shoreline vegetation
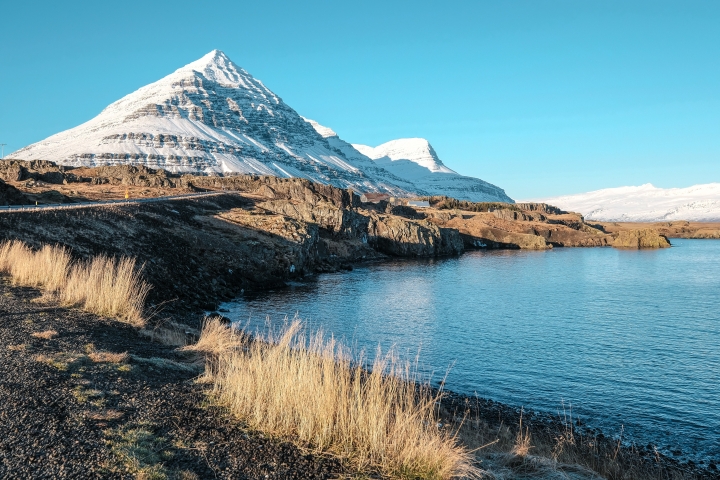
311, 391
312, 411
104, 286
312, 388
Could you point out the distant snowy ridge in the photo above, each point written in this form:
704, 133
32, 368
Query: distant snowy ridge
646, 203
211, 116
416, 161
406, 152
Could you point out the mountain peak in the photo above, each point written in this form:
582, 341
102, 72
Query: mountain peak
216, 58
416, 150
217, 67
212, 116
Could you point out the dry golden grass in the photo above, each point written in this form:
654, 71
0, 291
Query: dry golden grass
108, 357
47, 268
522, 441
216, 338
105, 286
46, 335
105, 415
310, 389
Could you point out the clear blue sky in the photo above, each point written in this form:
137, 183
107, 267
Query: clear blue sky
541, 97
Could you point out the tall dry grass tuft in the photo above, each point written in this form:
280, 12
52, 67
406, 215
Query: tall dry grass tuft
308, 387
522, 441
47, 268
105, 286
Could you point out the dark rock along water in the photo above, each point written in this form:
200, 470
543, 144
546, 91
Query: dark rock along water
630, 339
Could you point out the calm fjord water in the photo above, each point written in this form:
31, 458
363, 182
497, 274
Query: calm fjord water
629, 338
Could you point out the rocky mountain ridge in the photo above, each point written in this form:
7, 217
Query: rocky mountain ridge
413, 164
416, 161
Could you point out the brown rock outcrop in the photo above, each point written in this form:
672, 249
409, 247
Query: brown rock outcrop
485, 230
516, 215
641, 238
324, 214
18, 170
488, 237
10, 171
407, 238
139, 176
540, 207
674, 229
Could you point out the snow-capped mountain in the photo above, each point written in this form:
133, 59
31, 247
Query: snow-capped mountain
212, 116
415, 160
645, 203
363, 161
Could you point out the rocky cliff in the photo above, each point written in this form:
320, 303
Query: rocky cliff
642, 238
677, 229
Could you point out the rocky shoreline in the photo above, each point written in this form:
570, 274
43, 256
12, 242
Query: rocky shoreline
489, 420
266, 230
74, 403
199, 252
82, 395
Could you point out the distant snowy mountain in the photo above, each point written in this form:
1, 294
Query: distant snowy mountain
363, 161
212, 116
645, 203
415, 160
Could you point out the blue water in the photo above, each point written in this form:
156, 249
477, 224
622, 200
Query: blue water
630, 339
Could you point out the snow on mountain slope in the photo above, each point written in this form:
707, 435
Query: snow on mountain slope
210, 116
645, 203
362, 161
415, 160
416, 150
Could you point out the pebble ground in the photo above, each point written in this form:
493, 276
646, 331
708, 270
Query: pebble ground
69, 410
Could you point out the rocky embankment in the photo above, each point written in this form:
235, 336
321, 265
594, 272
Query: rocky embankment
267, 230
446, 229
709, 230
534, 226
198, 252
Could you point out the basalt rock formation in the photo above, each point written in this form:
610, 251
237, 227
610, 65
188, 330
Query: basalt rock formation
528, 226
39, 170
349, 228
342, 213
681, 229
643, 238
